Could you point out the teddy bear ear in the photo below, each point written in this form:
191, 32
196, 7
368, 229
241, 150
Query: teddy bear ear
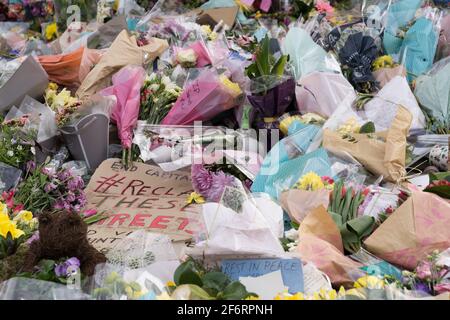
44, 218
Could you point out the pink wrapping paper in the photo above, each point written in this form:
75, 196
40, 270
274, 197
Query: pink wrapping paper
419, 226
126, 87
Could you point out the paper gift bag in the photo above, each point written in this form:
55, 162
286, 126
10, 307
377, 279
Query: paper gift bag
320, 243
63, 69
213, 16
385, 157
30, 79
419, 226
299, 203
124, 51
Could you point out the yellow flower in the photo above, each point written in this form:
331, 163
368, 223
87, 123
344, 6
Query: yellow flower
349, 127
8, 226
369, 282
170, 284
206, 29
258, 15
51, 31
24, 216
383, 62
194, 197
234, 87
310, 181
213, 36
356, 293
52, 86
286, 122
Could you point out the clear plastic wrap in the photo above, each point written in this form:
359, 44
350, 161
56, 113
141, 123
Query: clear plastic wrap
32, 289
240, 224
9, 177
141, 249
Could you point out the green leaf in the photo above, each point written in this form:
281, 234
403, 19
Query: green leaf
369, 127
442, 191
278, 68
199, 293
337, 218
215, 280
186, 274
234, 291
361, 226
439, 176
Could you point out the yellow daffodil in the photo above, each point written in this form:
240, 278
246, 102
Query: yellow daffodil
194, 197
24, 216
51, 31
170, 284
369, 282
311, 182
234, 87
8, 226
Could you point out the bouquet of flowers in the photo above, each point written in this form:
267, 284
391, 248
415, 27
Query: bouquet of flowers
45, 189
203, 98
16, 226
158, 95
16, 144
62, 103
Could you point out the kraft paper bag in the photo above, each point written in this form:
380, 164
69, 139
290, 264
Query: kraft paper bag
299, 203
419, 226
29, 79
320, 243
213, 16
384, 155
124, 51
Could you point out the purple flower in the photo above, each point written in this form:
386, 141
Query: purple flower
33, 238
69, 266
50, 187
70, 197
75, 183
422, 287
220, 180
59, 204
201, 179
64, 175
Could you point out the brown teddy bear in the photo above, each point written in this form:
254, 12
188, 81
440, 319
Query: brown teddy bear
61, 235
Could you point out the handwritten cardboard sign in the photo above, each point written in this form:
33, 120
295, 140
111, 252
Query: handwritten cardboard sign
142, 197
291, 270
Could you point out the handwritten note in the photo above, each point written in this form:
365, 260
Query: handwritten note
143, 197
291, 270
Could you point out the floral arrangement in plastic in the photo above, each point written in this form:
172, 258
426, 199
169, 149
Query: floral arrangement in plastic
16, 225
48, 189
16, 143
62, 103
158, 95
313, 182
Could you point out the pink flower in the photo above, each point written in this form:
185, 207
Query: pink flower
324, 7
442, 288
89, 213
423, 270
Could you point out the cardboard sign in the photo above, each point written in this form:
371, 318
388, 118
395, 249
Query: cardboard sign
291, 270
143, 197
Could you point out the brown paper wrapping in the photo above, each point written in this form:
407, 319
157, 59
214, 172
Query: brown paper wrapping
298, 203
384, 157
123, 51
419, 226
320, 243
